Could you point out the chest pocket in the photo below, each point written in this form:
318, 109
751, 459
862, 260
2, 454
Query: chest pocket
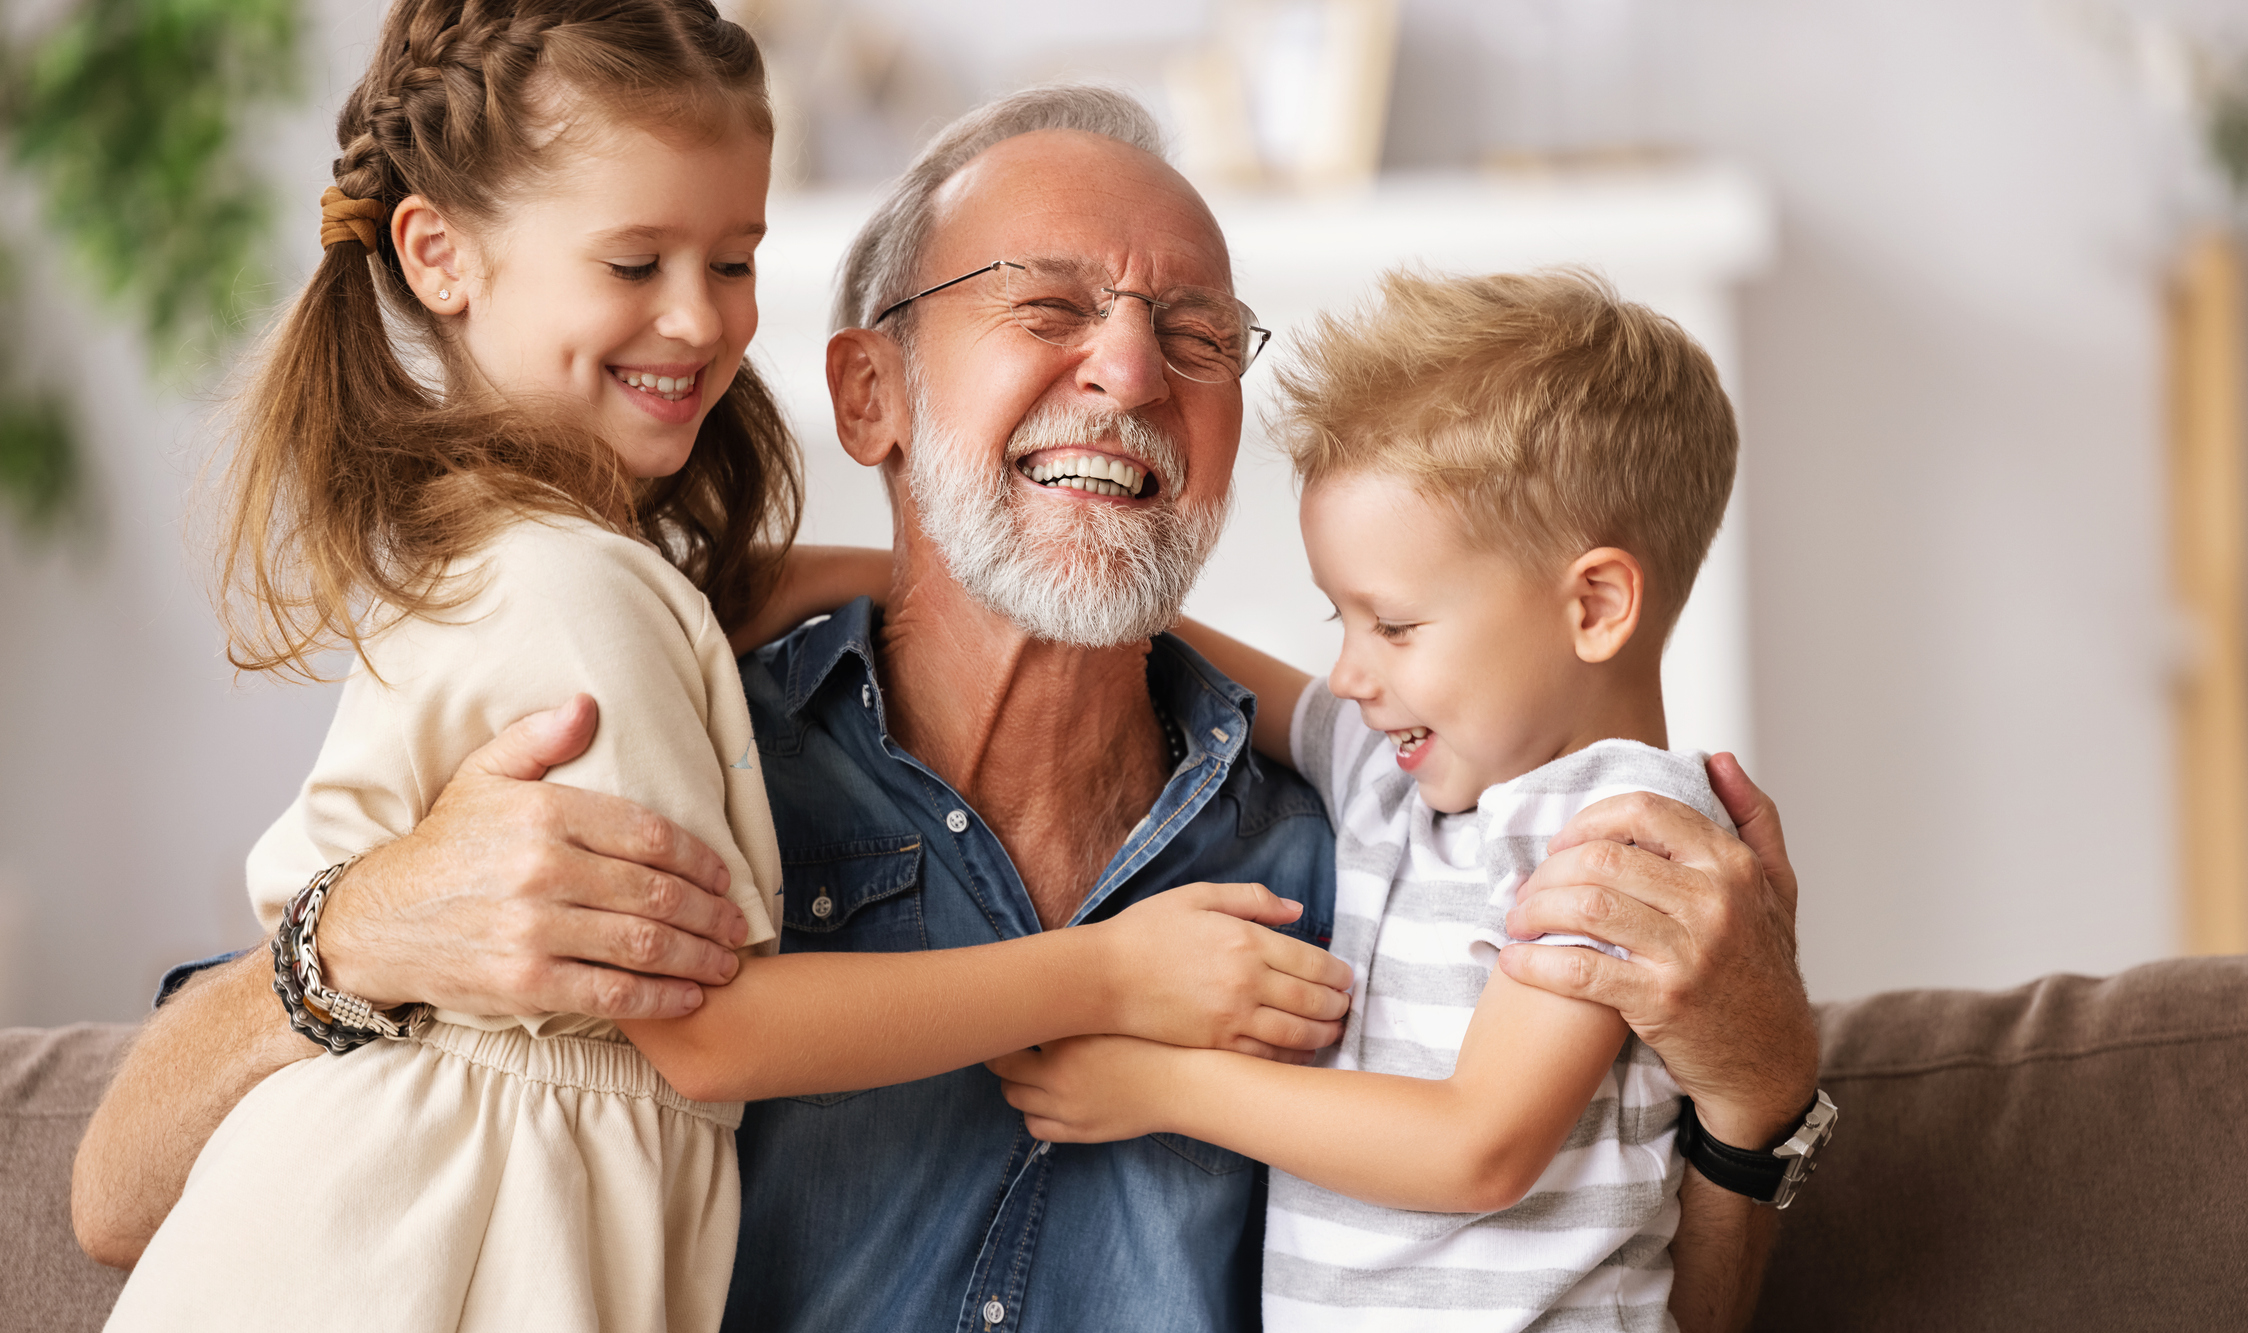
862, 896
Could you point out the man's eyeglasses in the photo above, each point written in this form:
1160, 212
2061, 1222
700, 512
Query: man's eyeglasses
1206, 335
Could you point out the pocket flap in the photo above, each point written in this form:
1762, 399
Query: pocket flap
822, 887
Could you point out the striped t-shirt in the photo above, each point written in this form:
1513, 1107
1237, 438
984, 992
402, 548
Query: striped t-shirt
1420, 911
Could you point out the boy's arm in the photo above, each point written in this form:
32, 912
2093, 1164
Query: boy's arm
1472, 1143
814, 579
1276, 684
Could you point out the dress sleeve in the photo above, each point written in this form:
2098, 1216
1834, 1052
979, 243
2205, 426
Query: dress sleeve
561, 607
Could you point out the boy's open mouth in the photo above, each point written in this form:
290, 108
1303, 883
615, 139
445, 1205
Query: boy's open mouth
1407, 740
1099, 474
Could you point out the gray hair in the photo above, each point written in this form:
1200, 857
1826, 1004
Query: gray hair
879, 267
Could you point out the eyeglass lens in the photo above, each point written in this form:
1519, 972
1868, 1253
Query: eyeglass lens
1205, 335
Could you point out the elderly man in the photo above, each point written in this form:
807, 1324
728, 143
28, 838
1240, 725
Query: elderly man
1040, 349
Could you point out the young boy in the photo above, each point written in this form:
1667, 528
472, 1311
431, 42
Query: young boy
1508, 485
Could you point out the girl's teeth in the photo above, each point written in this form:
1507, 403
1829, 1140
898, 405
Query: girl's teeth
663, 386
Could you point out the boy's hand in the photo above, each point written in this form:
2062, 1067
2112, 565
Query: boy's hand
1194, 967
1089, 1089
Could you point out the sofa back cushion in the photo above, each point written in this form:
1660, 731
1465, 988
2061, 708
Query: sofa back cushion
49, 1081
2069, 1155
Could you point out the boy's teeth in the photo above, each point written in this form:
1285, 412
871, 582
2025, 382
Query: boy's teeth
1097, 473
1408, 739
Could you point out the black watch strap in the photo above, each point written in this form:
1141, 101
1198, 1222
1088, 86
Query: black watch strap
1771, 1176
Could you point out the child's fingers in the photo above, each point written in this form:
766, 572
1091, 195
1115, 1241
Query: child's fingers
1286, 1031
1015, 1066
1317, 1002
1250, 902
1307, 962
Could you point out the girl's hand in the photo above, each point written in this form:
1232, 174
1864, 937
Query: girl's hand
814, 579
1196, 966
1090, 1089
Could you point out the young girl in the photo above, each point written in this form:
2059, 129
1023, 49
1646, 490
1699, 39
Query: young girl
558, 203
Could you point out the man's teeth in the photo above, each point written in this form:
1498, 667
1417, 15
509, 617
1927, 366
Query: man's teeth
663, 386
1409, 739
1096, 473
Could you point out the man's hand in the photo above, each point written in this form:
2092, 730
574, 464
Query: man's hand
1194, 967
1088, 1089
516, 896
1709, 920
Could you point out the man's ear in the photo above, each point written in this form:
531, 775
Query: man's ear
866, 383
432, 255
1607, 591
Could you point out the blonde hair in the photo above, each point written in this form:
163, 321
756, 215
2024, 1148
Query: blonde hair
355, 483
1554, 415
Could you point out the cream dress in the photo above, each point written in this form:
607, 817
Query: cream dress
516, 1173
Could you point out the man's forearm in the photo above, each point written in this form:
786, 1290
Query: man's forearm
1718, 1256
216, 1039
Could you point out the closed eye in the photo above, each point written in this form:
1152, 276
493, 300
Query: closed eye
635, 269
1392, 631
733, 268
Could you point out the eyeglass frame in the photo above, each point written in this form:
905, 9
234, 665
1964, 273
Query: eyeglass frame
1264, 335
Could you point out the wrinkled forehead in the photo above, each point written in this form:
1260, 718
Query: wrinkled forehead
1071, 198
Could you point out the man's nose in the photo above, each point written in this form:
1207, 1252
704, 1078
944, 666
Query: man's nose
1123, 360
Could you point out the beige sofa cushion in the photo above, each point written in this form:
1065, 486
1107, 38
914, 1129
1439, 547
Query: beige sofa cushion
49, 1082
2069, 1155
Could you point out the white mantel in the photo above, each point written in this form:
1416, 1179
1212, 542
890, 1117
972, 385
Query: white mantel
1681, 239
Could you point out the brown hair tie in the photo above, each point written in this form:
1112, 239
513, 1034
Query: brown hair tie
343, 218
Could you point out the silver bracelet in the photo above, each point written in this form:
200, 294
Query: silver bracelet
336, 1019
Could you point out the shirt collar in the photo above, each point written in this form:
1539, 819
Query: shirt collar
1213, 710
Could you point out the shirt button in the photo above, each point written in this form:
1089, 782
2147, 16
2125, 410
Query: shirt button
957, 821
866, 696
823, 906
994, 1312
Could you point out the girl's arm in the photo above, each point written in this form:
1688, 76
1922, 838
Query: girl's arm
1472, 1143
1276, 684
1190, 966
814, 579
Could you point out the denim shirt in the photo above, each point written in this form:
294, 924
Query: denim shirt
927, 1205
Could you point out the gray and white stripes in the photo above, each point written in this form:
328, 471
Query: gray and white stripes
1420, 908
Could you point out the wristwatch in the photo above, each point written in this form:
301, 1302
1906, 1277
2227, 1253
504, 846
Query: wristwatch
1770, 1177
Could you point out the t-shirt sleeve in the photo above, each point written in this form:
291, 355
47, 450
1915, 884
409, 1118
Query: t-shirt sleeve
560, 609
1330, 742
1519, 823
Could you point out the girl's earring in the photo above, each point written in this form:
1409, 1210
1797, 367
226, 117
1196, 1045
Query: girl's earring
444, 295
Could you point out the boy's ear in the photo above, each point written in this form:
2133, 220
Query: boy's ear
431, 254
866, 384
1607, 594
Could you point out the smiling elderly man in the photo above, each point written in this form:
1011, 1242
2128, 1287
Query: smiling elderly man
1040, 348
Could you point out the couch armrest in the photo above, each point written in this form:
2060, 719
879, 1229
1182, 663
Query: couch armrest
50, 1080
2069, 1155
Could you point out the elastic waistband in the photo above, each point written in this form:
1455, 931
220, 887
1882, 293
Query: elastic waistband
574, 1062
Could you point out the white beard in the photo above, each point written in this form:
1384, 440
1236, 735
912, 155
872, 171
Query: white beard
1089, 575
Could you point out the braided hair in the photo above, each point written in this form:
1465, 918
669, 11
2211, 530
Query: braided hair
355, 482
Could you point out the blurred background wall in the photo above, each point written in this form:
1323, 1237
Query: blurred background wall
1958, 641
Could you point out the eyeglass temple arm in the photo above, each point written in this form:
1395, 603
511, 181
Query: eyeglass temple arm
991, 267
